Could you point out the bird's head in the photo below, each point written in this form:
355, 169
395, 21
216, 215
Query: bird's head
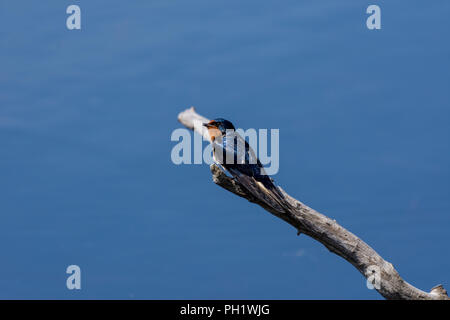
219, 124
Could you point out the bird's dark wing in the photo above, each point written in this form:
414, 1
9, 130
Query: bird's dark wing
239, 159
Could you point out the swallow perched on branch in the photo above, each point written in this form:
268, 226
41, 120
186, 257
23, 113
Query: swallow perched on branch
233, 153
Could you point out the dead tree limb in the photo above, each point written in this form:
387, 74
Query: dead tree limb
328, 232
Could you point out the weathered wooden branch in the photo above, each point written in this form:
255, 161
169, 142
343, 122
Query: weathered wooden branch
327, 231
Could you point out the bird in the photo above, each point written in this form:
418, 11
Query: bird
233, 153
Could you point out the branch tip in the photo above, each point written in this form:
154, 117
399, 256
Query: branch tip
439, 290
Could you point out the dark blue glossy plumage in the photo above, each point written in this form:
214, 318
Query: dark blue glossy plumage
235, 154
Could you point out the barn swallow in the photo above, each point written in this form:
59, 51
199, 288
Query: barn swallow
234, 154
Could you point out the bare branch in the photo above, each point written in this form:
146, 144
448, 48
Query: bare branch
328, 232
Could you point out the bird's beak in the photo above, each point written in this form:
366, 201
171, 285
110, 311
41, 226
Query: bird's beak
209, 125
